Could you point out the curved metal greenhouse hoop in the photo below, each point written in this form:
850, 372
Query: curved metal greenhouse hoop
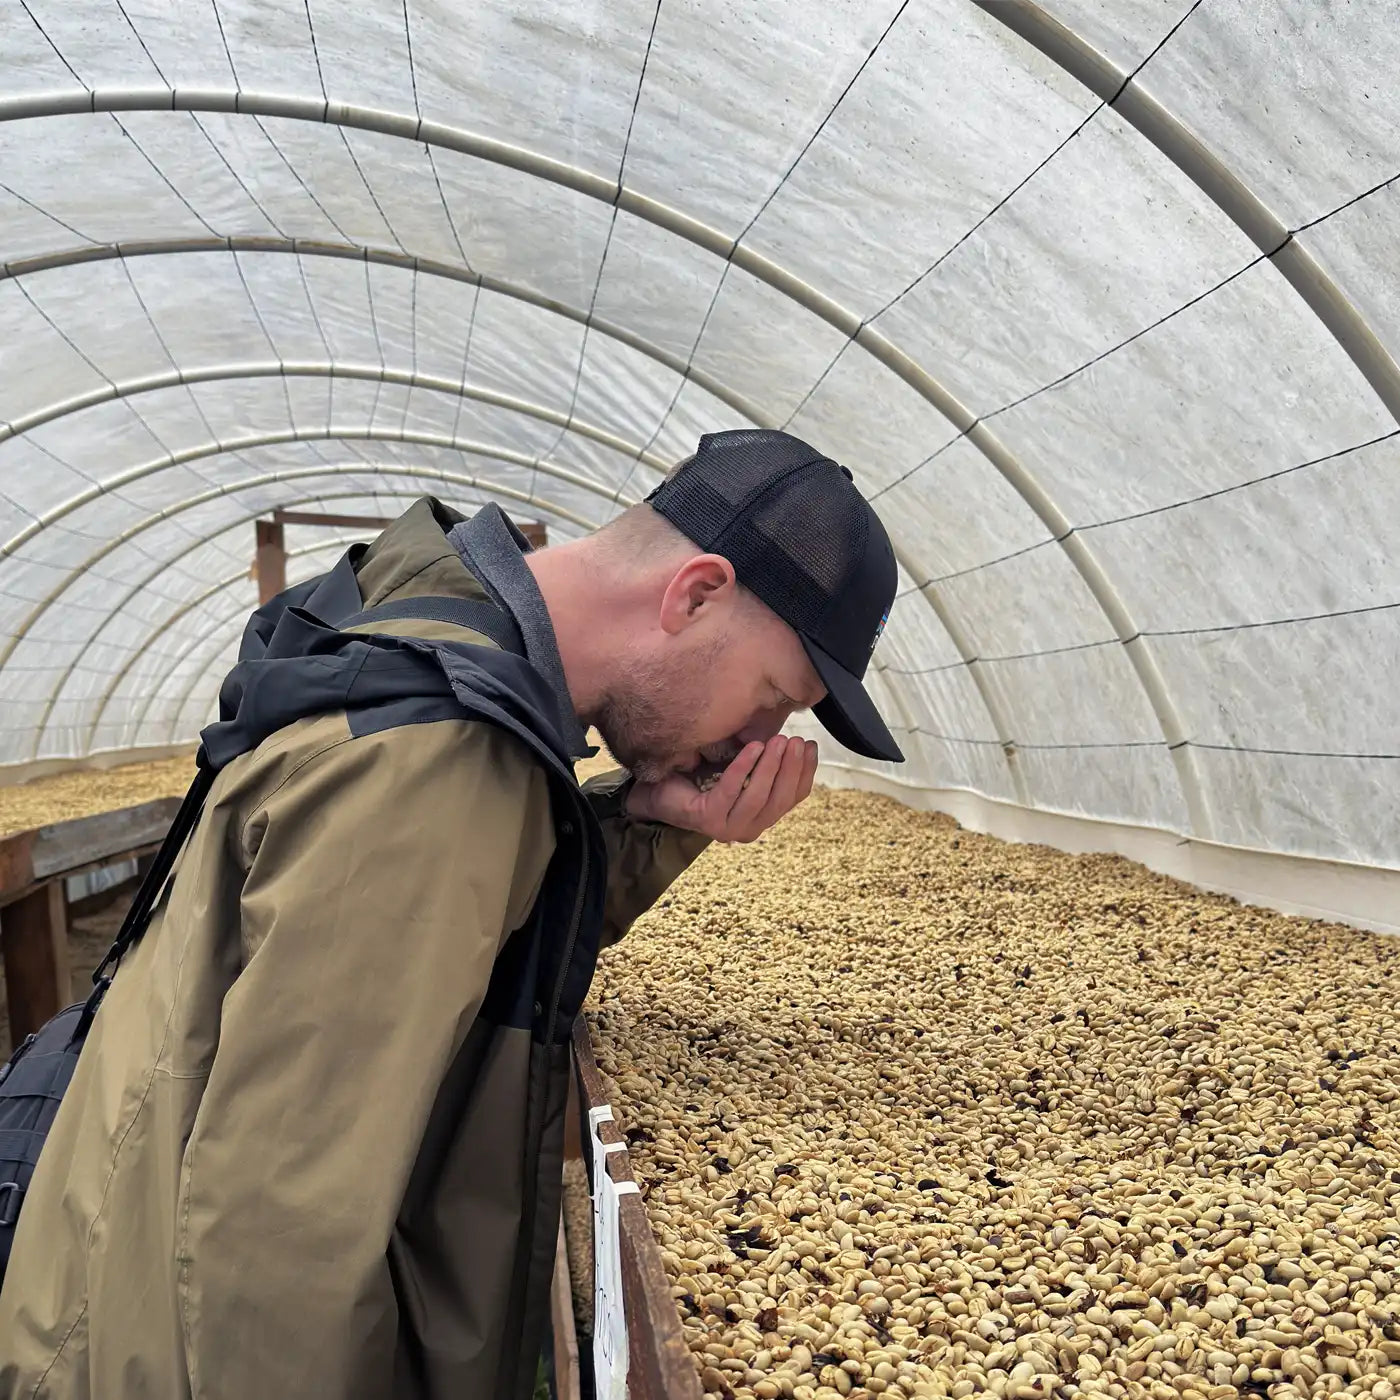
929, 595
1318, 290
427, 473
519, 459
271, 438
273, 369
385, 257
335, 542
272, 478
326, 369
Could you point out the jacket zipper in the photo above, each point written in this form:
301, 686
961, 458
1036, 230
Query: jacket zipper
572, 940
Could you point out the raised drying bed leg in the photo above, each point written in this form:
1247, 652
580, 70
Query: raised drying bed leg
561, 1300
34, 934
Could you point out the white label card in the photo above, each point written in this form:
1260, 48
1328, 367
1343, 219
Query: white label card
609, 1318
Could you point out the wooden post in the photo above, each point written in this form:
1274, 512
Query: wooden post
573, 1137
561, 1297
270, 562
34, 933
34, 866
534, 531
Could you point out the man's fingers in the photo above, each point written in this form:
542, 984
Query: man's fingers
778, 775
809, 771
731, 783
792, 785
751, 801
783, 797
760, 787
803, 757
782, 793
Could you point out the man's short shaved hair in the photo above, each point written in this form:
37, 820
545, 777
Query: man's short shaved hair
641, 536
644, 535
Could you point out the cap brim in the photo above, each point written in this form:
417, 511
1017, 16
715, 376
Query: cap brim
848, 714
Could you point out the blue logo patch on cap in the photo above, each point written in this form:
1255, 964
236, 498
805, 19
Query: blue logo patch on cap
880, 629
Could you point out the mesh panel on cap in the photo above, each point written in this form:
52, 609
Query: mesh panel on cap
822, 533
766, 570
796, 546
693, 506
739, 463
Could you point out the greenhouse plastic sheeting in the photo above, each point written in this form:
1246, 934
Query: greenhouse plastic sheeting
1098, 301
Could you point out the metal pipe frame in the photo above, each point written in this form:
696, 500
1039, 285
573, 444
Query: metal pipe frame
338, 542
268, 439
223, 621
213, 493
335, 542
711, 385
303, 247
143, 582
325, 369
239, 524
491, 488
504, 454
614, 192
357, 522
427, 473
1052, 38
385, 257
1227, 191
521, 459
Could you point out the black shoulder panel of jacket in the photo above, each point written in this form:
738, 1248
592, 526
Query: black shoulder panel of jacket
394, 714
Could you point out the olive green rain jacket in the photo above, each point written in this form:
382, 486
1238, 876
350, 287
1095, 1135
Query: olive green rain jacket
312, 1148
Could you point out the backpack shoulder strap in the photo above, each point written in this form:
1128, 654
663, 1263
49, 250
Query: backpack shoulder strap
471, 613
138, 915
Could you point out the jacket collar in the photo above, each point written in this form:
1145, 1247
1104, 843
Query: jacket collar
494, 551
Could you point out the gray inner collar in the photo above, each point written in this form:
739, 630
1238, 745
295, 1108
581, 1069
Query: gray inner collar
494, 550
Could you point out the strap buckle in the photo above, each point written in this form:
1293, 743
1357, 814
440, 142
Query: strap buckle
11, 1199
90, 1006
110, 959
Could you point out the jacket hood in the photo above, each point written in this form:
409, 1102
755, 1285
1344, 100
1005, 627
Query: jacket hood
295, 661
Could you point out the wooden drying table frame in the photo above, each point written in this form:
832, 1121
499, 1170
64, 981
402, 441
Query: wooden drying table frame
658, 1363
33, 907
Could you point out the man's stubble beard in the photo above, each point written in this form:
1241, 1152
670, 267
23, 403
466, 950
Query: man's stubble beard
650, 725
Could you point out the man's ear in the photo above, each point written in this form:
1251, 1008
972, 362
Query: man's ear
701, 583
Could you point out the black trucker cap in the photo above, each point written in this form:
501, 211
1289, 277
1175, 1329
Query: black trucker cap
804, 540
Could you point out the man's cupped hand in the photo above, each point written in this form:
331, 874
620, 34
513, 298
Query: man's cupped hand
760, 787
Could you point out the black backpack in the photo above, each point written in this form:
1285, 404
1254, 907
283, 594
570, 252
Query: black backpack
34, 1079
33, 1082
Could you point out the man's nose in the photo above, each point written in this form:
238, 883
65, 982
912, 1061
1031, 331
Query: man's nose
763, 728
